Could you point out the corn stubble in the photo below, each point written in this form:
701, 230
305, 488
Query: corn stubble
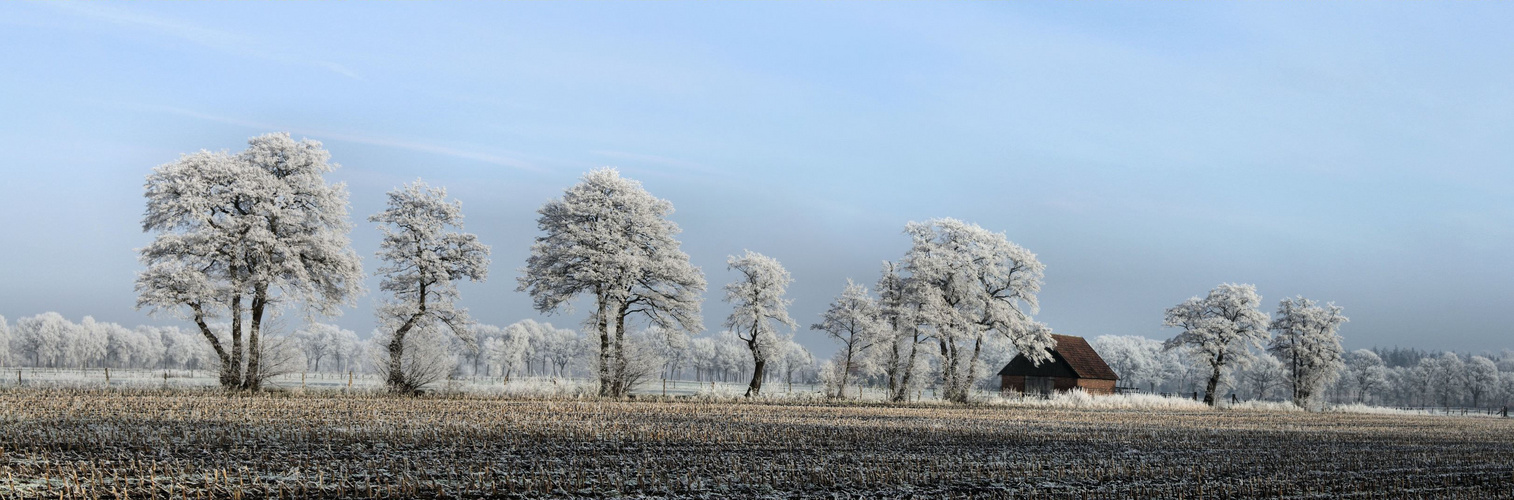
97, 444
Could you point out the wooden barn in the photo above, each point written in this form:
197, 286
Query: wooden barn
1073, 364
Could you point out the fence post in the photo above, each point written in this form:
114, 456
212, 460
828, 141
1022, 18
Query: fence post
302, 381
349, 380
18, 377
107, 376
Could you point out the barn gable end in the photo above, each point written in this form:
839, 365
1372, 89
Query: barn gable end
1073, 364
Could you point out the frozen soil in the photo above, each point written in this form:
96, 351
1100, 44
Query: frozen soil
75, 443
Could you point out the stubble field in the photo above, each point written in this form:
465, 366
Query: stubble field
109, 444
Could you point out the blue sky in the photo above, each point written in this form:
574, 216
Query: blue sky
1350, 152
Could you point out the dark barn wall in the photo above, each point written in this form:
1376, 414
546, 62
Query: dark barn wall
1096, 386
1016, 383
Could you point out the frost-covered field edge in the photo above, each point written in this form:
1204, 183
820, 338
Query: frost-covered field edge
680, 390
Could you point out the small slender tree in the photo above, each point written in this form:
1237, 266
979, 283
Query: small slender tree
757, 303
1219, 330
853, 320
425, 252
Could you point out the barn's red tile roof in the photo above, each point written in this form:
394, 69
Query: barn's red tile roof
1082, 358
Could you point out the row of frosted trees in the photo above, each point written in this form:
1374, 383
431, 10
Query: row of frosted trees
1363, 376
241, 237
527, 348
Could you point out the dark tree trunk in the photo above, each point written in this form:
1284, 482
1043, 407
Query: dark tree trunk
233, 371
254, 380
1214, 380
603, 325
620, 351
902, 394
229, 376
755, 387
397, 381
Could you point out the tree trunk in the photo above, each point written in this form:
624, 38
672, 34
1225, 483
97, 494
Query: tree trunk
902, 394
1214, 381
229, 377
254, 380
235, 374
620, 351
893, 358
396, 380
756, 386
846, 369
605, 355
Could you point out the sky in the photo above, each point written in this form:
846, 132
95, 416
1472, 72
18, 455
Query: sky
1358, 153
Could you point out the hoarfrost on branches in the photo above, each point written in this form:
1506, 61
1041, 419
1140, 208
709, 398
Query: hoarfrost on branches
972, 281
1308, 344
853, 320
1482, 378
1366, 373
758, 308
1219, 330
425, 252
239, 235
609, 238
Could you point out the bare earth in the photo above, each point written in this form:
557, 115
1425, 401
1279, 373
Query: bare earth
74, 443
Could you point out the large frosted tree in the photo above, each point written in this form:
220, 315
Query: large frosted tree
238, 236
610, 239
1219, 330
758, 309
1307, 342
425, 252
853, 320
971, 282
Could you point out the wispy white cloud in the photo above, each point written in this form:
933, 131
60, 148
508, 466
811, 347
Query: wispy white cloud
407, 144
224, 41
660, 161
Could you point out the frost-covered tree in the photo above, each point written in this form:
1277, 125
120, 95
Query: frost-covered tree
1482, 378
425, 252
1365, 373
237, 235
1444, 378
758, 309
128, 348
344, 350
314, 342
86, 343
560, 347
5, 342
971, 282
672, 346
508, 352
798, 361
1262, 376
1305, 339
41, 339
853, 320
609, 238
425, 357
901, 331
1219, 330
